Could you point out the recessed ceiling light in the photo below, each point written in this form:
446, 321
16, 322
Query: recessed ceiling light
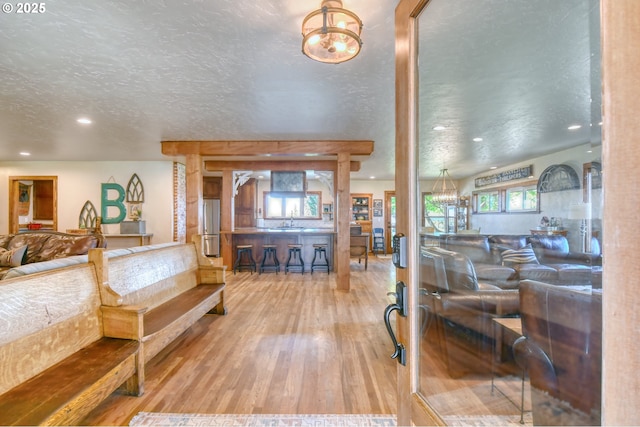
84, 121
372, 177
589, 151
439, 127
493, 167
574, 127
478, 139
24, 153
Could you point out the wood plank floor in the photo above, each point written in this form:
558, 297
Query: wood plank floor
290, 344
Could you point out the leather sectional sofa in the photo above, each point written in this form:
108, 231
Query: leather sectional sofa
460, 309
547, 258
44, 246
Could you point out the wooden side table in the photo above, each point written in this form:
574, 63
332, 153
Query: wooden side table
561, 232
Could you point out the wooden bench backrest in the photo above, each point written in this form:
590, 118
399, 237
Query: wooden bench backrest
44, 318
146, 278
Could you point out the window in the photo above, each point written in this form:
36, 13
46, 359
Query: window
522, 199
488, 201
279, 205
433, 214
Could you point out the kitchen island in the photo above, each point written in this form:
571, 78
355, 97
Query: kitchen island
281, 237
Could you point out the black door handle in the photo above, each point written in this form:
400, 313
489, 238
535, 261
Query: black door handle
401, 305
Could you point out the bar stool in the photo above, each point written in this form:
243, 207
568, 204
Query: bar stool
320, 254
244, 259
295, 252
269, 258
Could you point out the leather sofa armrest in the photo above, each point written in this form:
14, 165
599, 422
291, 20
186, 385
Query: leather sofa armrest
497, 301
583, 258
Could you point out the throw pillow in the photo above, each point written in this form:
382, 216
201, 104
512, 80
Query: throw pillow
14, 257
524, 255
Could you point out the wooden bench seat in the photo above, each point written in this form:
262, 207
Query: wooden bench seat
66, 392
56, 365
154, 295
195, 302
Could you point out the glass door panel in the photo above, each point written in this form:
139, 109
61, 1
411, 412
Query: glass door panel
480, 94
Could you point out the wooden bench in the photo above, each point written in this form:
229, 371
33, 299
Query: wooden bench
56, 365
155, 293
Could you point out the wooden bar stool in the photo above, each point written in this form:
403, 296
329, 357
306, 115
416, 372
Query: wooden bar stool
244, 259
269, 258
320, 260
295, 260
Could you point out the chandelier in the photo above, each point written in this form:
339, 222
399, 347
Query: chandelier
443, 194
331, 34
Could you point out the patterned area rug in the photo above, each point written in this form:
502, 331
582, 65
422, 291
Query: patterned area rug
488, 420
160, 419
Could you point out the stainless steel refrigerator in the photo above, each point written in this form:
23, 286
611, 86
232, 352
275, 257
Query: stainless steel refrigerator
211, 227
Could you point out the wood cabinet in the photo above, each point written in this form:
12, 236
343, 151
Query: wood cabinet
362, 212
212, 187
361, 207
245, 205
43, 200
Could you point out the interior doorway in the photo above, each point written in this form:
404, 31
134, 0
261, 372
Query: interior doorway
390, 217
33, 203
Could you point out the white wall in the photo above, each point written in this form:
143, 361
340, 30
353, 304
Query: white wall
81, 181
555, 204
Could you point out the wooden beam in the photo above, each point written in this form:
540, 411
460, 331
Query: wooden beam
256, 148
342, 260
275, 165
194, 186
226, 217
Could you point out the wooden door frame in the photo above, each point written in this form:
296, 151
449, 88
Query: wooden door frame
14, 192
412, 408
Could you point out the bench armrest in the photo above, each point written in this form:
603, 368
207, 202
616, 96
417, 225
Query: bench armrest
124, 322
211, 275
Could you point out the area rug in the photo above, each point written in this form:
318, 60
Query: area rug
160, 419
488, 420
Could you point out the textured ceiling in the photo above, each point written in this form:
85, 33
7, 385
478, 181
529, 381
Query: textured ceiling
510, 71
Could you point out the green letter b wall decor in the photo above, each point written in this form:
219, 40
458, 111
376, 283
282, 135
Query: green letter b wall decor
116, 203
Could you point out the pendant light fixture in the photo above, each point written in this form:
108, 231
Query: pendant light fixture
443, 194
331, 34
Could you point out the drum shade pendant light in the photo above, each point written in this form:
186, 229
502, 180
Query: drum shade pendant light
443, 194
331, 34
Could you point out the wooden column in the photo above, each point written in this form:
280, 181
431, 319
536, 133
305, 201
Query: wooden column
342, 184
226, 217
194, 167
620, 155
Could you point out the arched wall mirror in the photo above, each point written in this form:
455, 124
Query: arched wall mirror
33, 203
503, 85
